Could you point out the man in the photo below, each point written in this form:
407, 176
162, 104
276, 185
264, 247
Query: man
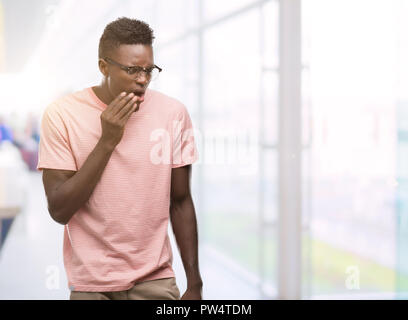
116, 161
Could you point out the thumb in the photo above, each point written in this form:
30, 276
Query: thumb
139, 99
137, 104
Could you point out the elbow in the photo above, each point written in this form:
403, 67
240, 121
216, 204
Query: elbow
179, 199
58, 209
176, 202
57, 217
179, 204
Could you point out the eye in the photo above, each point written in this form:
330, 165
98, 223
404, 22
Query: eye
133, 70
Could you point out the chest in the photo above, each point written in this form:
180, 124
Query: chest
147, 139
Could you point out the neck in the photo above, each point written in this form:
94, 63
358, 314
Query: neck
103, 93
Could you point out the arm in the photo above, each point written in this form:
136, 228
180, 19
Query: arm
184, 224
67, 191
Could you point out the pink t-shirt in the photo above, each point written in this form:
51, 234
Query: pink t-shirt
119, 236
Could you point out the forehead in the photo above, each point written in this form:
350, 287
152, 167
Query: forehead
134, 54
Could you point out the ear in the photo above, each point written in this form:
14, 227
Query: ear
103, 67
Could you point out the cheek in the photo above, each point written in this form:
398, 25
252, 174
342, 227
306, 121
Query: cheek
117, 84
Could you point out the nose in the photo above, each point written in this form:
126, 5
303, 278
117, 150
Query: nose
142, 78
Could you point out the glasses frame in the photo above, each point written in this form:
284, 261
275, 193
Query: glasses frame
129, 68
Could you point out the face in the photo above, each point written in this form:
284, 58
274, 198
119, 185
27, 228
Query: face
118, 80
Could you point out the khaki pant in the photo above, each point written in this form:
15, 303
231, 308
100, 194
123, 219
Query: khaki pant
158, 289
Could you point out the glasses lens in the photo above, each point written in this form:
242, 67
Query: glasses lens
150, 75
135, 70
154, 74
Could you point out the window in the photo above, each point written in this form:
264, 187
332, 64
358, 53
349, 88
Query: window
350, 108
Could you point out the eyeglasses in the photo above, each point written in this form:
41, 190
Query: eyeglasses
151, 72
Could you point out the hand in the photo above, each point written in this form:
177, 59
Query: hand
192, 294
116, 115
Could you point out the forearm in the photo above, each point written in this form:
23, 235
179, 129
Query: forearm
73, 193
184, 224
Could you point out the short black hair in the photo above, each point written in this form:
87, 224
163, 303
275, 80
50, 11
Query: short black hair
124, 31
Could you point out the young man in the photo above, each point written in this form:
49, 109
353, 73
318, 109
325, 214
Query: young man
116, 161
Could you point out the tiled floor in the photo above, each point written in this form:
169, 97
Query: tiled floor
31, 263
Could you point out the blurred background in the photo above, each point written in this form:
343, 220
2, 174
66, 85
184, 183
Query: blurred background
301, 114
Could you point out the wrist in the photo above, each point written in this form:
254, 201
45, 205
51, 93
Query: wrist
106, 145
196, 284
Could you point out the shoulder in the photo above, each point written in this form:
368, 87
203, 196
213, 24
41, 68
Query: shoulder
65, 102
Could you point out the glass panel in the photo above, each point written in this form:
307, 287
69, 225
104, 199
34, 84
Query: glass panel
402, 151
231, 105
173, 18
270, 110
214, 9
270, 263
270, 32
270, 186
269, 241
179, 77
353, 154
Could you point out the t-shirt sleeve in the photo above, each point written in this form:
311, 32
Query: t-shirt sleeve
184, 145
54, 151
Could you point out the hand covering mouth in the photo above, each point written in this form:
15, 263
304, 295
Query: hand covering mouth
139, 100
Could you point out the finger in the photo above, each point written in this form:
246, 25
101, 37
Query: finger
137, 106
134, 107
126, 108
139, 100
136, 99
116, 108
111, 110
116, 100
